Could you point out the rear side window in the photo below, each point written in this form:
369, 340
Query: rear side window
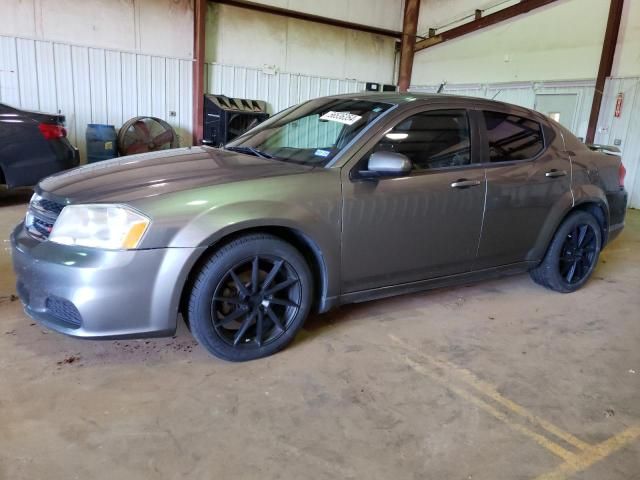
433, 139
512, 137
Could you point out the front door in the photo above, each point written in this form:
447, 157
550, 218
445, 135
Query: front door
422, 225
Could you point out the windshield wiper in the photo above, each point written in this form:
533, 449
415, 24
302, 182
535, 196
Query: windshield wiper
251, 150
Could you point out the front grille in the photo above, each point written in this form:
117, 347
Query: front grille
50, 206
65, 313
41, 216
42, 227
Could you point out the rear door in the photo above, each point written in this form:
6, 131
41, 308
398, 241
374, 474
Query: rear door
528, 174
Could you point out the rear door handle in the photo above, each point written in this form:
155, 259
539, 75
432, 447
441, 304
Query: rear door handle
464, 183
555, 173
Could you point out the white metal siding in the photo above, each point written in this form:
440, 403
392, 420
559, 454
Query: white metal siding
279, 90
524, 94
95, 85
626, 129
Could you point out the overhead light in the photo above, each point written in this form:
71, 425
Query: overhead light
396, 136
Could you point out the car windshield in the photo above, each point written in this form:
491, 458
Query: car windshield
311, 133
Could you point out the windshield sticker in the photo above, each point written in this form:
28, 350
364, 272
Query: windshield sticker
341, 117
322, 153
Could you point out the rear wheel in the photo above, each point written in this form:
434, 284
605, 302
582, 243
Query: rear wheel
572, 255
250, 298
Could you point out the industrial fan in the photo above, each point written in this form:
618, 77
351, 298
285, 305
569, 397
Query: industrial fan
146, 134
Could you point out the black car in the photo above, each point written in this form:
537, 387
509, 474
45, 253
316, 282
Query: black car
33, 145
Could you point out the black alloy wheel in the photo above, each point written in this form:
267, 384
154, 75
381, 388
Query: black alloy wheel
572, 254
578, 253
250, 298
256, 301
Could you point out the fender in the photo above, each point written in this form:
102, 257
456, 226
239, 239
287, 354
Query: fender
582, 195
321, 234
554, 219
199, 219
593, 194
589, 193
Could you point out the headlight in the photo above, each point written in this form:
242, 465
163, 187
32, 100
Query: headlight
112, 227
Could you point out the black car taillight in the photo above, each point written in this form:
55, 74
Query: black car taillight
621, 174
52, 131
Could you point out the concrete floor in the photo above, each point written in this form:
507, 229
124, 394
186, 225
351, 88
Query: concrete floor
500, 380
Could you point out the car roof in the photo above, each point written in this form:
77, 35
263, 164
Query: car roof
401, 99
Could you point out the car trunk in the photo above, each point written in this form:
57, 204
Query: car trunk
41, 117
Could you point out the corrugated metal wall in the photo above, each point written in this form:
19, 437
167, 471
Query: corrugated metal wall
279, 90
625, 129
94, 85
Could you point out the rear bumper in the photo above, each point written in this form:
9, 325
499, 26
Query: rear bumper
94, 293
617, 211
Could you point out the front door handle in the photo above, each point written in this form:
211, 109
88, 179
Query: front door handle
555, 173
464, 183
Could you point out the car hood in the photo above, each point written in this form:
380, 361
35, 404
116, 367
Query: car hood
150, 174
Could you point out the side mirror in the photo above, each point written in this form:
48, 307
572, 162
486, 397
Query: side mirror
387, 164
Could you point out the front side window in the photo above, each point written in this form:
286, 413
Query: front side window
311, 133
512, 137
434, 139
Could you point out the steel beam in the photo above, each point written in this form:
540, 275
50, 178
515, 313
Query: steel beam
606, 62
409, 30
473, 26
199, 17
285, 12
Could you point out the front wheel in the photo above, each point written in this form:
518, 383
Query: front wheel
250, 298
572, 255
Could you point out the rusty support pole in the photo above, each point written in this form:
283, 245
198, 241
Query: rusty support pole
606, 62
199, 17
409, 30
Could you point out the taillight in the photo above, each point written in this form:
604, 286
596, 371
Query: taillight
52, 131
621, 174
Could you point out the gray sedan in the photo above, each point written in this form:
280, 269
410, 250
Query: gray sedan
336, 200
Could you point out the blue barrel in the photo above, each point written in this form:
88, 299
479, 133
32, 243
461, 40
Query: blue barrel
101, 142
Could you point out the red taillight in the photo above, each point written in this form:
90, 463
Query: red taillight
52, 131
621, 174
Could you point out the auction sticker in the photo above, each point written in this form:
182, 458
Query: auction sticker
322, 153
341, 117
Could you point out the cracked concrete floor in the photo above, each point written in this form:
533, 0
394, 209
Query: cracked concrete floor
499, 380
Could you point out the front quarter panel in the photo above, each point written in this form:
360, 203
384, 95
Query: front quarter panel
308, 203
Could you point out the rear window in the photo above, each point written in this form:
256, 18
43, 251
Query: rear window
512, 137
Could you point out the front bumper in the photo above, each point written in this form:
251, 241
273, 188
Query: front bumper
85, 292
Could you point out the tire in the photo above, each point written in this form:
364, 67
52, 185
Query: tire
572, 254
237, 318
